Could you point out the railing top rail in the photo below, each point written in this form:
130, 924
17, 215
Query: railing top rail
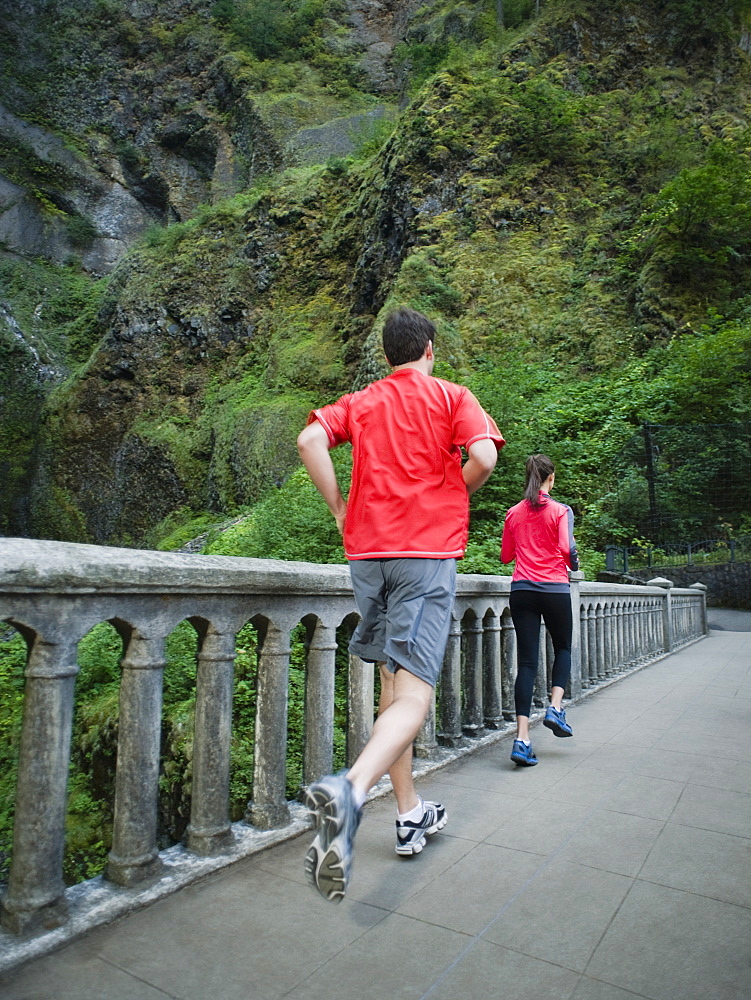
591, 589
37, 566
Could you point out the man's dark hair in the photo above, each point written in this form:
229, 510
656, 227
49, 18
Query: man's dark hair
406, 333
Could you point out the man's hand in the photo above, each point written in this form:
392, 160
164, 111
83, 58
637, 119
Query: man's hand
340, 518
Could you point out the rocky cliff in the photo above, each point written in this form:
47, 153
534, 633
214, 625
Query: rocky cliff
500, 204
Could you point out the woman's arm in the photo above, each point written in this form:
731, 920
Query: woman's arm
566, 541
508, 546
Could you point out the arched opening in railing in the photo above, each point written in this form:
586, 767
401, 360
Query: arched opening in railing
93, 756
13, 655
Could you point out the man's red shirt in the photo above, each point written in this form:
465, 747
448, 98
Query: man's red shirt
408, 497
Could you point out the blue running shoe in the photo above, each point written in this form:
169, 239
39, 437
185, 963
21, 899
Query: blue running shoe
555, 719
410, 837
328, 863
523, 754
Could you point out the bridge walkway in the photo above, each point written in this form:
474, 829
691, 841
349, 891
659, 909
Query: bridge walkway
616, 869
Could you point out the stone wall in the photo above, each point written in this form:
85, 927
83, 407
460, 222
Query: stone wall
728, 584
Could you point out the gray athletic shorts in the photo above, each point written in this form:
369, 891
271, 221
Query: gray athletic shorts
405, 612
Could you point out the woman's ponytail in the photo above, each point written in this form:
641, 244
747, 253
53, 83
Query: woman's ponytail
538, 469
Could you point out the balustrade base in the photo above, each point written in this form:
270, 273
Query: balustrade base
267, 817
451, 741
210, 840
19, 920
129, 872
494, 725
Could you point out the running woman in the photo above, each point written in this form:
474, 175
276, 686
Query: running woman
404, 524
539, 534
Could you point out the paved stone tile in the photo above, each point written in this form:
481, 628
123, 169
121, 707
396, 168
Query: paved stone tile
74, 975
670, 945
653, 798
615, 757
732, 775
489, 972
671, 764
595, 989
473, 815
560, 917
685, 740
715, 809
249, 939
471, 893
585, 786
381, 878
638, 734
399, 958
613, 841
541, 827
701, 861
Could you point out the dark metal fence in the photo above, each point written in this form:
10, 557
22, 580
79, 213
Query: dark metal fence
706, 552
682, 481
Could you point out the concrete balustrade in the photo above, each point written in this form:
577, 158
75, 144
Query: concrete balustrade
54, 593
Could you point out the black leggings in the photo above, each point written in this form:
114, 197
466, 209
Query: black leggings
527, 608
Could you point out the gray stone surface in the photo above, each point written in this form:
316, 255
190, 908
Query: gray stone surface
615, 869
729, 619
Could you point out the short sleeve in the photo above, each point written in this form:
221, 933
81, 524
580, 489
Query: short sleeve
471, 423
334, 418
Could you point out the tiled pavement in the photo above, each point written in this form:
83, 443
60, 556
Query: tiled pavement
618, 868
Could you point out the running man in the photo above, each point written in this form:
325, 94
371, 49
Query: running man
405, 523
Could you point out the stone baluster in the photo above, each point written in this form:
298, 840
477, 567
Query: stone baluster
584, 646
35, 898
472, 723
361, 697
426, 741
630, 633
615, 653
508, 666
210, 829
268, 808
451, 688
134, 856
491, 651
699, 609
615, 622
600, 634
622, 645
592, 643
578, 668
652, 640
319, 702
668, 638
607, 639
613, 632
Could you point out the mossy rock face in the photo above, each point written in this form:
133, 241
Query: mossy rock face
21, 400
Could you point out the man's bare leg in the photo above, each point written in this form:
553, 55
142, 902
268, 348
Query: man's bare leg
400, 771
401, 713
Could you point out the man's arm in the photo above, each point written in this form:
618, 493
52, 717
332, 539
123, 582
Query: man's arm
481, 462
313, 445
